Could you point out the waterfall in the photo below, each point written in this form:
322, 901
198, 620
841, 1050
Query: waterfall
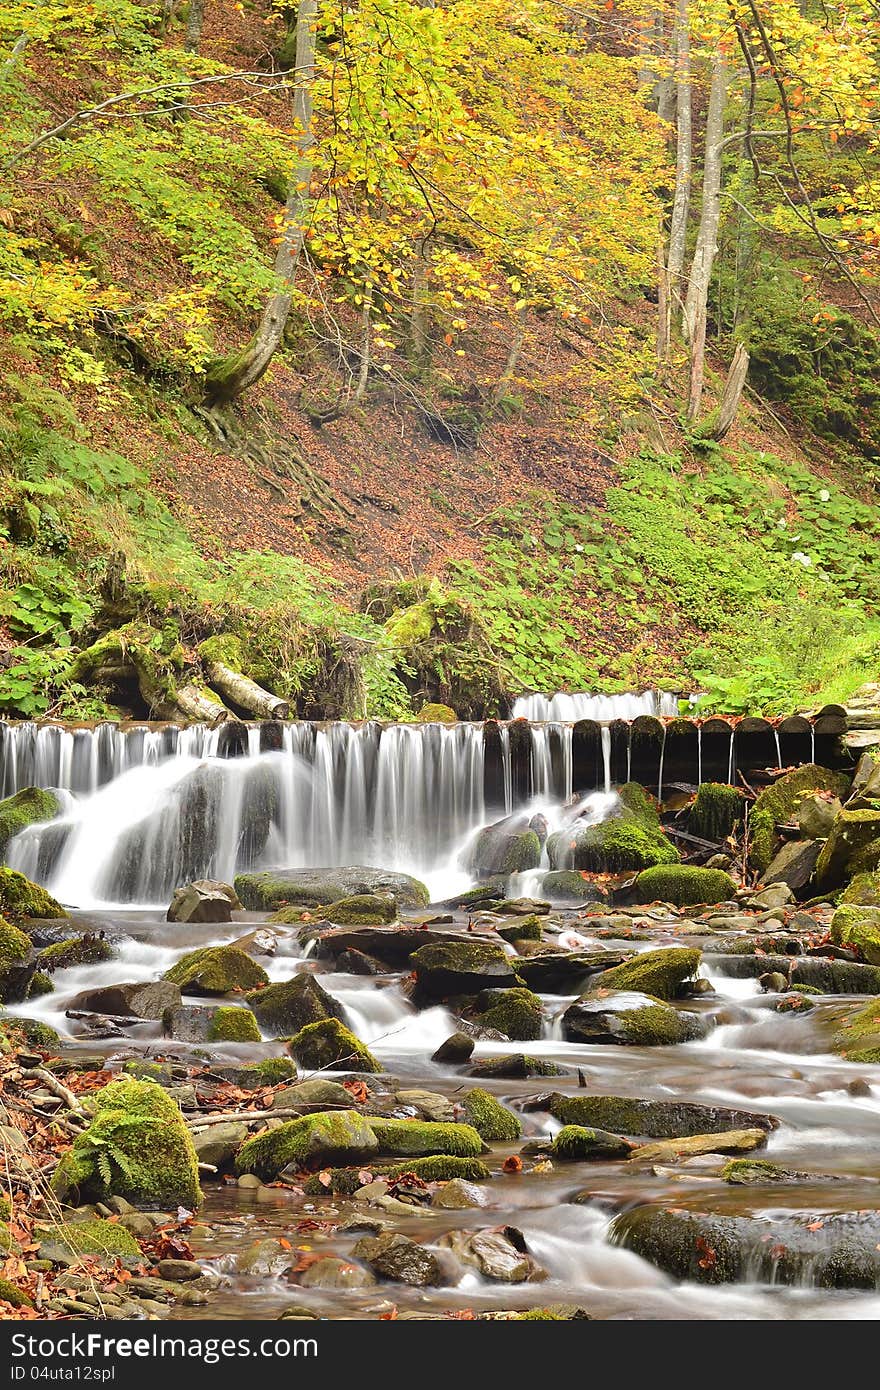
602, 708
606, 756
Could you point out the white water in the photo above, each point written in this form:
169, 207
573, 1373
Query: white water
602, 708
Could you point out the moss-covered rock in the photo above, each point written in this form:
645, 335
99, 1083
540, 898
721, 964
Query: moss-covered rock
362, 910
14, 1296
521, 929
435, 1168
576, 1143
516, 1012
34, 1032
233, 1025
851, 833
489, 1117
510, 846
683, 885
715, 811
20, 899
78, 950
15, 953
778, 804
319, 887
329, 1045
289, 1005
654, 1119
27, 807
216, 970
863, 889
342, 1136
617, 845
840, 1251
858, 1039
514, 1066
39, 983
90, 1237
444, 969
437, 714
628, 1022
565, 886
660, 973
743, 1172
858, 926
137, 1146
420, 1138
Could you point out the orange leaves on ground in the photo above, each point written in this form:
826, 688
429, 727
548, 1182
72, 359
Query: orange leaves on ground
513, 1164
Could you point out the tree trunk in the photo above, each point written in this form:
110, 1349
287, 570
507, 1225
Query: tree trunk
419, 348
15, 53
364, 369
232, 375
245, 693
197, 706
194, 17
733, 389
683, 165
664, 313
707, 236
513, 356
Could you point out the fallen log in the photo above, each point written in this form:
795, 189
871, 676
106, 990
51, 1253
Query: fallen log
200, 707
217, 653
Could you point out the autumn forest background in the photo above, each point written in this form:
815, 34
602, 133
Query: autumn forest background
402, 351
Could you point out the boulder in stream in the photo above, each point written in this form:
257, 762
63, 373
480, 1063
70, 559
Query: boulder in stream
518, 1013
289, 1005
684, 885
577, 1143
455, 1051
509, 846
196, 1023
147, 999
16, 963
216, 970
319, 887
489, 1117
314, 1141
732, 1141
856, 925
445, 969
22, 900
27, 807
398, 1258
630, 1019
330, 1046
834, 1250
500, 1254
568, 886
654, 1119
660, 973
205, 900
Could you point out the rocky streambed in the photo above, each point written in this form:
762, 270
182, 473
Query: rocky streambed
491, 1109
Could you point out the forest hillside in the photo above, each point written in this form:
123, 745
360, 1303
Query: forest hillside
388, 352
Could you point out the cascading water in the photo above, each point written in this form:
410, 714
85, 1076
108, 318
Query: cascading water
602, 708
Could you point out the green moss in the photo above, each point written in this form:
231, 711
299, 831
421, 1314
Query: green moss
858, 1039
684, 885
15, 951
39, 983
570, 885
27, 807
613, 846
716, 810
225, 648
79, 950
264, 892
419, 1138
310, 1142
518, 1013
805, 989
216, 970
857, 926
363, 910
865, 860
517, 1066
864, 890
640, 804
329, 1045
289, 916
577, 1143
852, 833
37, 1034
656, 1025
289, 1005
497, 850
522, 929
541, 1315
11, 1294
661, 973
91, 1237
435, 1168
234, 1025
489, 1117
744, 1171
437, 714
778, 804
137, 1146
19, 898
